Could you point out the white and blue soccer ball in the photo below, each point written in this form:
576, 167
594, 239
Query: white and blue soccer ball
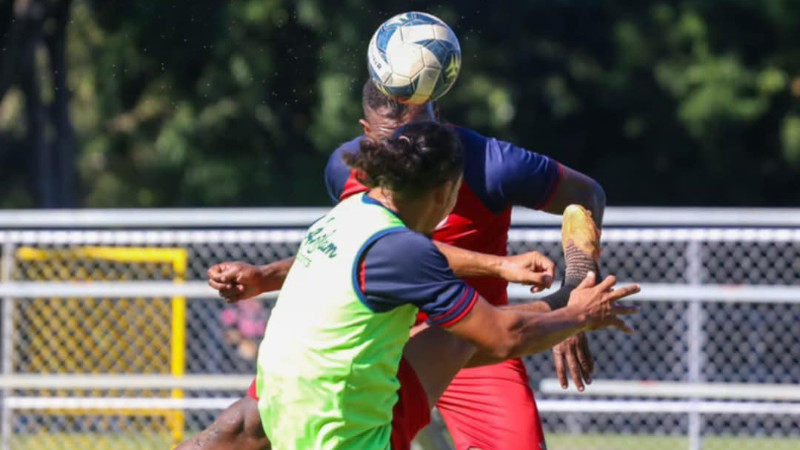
414, 58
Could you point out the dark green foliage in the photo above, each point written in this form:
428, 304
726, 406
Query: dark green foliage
226, 103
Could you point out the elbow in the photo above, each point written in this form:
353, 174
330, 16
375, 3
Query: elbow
505, 351
594, 199
501, 353
598, 196
578, 188
593, 196
509, 344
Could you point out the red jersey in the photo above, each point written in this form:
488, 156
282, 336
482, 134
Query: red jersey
497, 176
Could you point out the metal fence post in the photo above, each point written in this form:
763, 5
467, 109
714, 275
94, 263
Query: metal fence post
695, 337
7, 330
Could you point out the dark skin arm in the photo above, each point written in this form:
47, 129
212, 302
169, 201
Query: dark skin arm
574, 351
578, 188
531, 268
503, 333
237, 281
575, 188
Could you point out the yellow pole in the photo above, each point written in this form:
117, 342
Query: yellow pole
178, 363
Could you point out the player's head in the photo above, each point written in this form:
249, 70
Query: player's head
382, 115
418, 169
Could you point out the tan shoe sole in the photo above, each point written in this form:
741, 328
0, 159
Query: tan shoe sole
579, 229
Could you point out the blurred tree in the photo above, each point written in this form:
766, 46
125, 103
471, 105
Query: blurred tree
33, 39
215, 102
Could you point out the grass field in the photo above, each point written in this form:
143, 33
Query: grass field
66, 441
619, 442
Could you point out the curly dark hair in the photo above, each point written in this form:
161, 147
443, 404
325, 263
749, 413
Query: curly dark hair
418, 157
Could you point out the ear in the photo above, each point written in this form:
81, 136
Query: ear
365, 125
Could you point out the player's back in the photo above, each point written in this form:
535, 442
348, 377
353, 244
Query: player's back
327, 365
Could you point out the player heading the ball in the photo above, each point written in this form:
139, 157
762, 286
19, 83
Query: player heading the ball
414, 58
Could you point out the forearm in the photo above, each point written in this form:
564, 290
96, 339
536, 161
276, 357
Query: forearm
483, 357
580, 189
538, 332
537, 306
272, 275
533, 332
466, 263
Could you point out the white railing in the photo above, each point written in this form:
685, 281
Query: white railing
689, 228
299, 217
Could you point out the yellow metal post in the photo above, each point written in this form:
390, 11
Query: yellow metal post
178, 363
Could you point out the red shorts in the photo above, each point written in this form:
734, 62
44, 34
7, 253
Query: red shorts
251, 391
411, 413
492, 408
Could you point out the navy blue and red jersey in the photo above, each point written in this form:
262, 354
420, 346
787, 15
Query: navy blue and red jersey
405, 267
497, 176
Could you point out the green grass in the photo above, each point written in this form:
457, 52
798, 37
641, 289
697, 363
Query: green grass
70, 441
75, 441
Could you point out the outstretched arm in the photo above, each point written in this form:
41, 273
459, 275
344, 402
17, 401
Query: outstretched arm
237, 281
573, 353
503, 333
575, 188
532, 268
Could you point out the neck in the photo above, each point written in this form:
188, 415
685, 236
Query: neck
410, 212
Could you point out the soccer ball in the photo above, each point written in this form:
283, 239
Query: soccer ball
414, 58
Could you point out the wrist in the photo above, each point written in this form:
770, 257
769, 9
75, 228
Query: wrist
541, 305
578, 314
497, 266
265, 275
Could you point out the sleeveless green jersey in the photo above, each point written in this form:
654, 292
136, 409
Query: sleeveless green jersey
327, 367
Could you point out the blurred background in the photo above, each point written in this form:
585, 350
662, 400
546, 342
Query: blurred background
687, 112
106, 103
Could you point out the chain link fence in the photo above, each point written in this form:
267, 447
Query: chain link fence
712, 365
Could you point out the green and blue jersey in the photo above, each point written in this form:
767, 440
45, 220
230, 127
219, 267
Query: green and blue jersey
327, 367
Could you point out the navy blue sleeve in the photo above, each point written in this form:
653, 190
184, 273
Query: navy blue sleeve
516, 176
405, 267
337, 171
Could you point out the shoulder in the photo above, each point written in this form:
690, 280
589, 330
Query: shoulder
337, 172
408, 249
405, 267
469, 137
350, 146
407, 257
504, 174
